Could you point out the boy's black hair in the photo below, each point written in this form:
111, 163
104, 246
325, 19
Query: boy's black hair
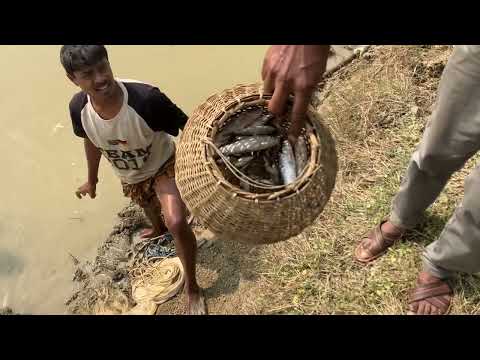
75, 57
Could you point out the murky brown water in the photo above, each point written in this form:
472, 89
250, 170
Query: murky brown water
42, 162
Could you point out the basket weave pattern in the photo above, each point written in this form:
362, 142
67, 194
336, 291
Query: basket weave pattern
230, 212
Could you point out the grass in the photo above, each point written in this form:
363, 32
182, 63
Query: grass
377, 109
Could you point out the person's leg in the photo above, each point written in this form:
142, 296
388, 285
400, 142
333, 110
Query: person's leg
152, 211
450, 139
456, 250
175, 215
144, 196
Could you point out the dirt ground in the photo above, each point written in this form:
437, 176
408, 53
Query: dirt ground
224, 270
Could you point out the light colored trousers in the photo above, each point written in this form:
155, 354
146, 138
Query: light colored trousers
450, 139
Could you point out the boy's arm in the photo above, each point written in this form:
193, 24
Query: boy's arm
93, 155
93, 160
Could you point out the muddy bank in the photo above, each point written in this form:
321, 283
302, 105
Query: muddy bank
104, 285
105, 282
225, 270
7, 311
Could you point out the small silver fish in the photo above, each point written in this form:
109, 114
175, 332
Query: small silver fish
238, 121
221, 140
256, 130
241, 161
287, 163
263, 120
250, 144
300, 154
276, 175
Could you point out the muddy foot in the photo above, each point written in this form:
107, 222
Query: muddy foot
196, 304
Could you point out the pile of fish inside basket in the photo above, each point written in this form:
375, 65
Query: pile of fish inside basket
255, 143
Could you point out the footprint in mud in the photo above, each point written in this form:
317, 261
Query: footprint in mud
9, 263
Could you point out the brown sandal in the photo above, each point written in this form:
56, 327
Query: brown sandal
375, 243
433, 293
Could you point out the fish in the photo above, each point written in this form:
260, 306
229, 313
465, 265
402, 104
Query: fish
263, 119
258, 179
241, 161
272, 169
300, 154
256, 130
250, 144
243, 119
267, 182
287, 163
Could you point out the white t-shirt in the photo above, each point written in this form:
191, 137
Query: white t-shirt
138, 140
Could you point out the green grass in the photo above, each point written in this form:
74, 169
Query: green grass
377, 109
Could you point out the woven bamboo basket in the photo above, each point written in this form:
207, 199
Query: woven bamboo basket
235, 214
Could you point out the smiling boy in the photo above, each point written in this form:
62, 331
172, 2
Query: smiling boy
131, 124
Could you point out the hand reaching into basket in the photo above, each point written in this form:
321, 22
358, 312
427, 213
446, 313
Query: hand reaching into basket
293, 69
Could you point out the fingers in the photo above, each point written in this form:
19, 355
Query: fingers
275, 82
292, 138
80, 193
266, 65
279, 99
300, 106
299, 112
268, 85
268, 73
279, 87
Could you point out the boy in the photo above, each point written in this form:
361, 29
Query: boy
130, 123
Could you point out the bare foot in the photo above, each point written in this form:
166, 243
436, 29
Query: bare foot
196, 304
432, 296
377, 241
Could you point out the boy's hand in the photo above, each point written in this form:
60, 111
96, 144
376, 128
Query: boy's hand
87, 188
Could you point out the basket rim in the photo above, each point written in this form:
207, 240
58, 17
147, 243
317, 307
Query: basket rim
299, 185
251, 219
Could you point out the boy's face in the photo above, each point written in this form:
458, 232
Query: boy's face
96, 80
